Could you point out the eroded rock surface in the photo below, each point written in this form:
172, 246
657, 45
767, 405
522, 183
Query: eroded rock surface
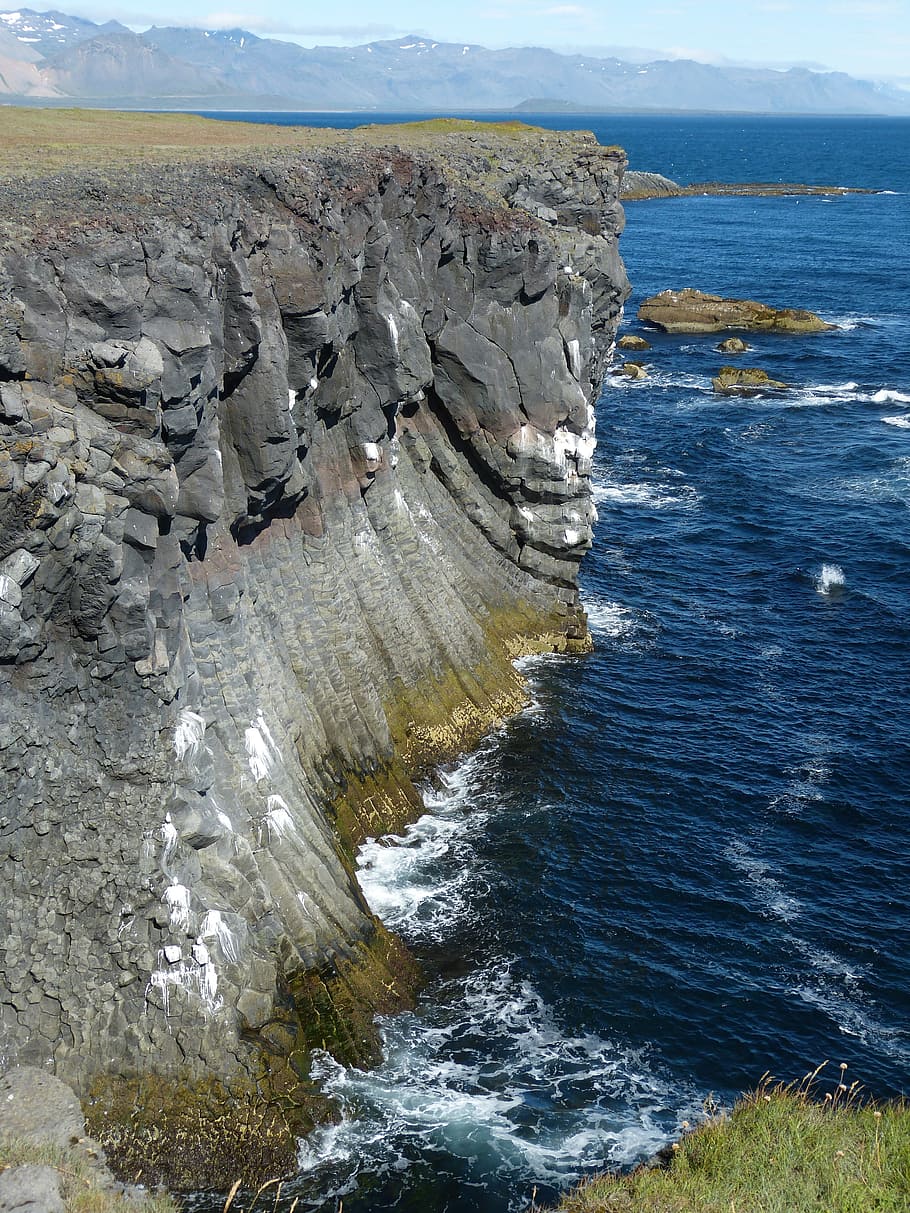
294, 458
691, 311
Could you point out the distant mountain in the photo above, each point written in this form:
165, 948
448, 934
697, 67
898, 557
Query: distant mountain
50, 33
55, 57
124, 65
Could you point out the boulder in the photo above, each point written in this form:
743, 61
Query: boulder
31, 1188
745, 381
691, 311
39, 1108
631, 341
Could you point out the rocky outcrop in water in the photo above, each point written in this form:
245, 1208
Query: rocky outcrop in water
294, 461
691, 311
745, 381
638, 184
733, 345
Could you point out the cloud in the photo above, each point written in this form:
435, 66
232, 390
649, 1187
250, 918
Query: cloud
869, 8
256, 23
266, 25
566, 10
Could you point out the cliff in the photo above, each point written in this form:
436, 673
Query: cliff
295, 454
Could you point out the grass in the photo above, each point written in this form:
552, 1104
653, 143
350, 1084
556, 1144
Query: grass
782, 1149
41, 141
38, 142
83, 1189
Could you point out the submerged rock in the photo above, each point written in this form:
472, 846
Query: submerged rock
745, 381
691, 311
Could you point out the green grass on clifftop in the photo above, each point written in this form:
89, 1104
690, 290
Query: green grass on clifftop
780, 1150
35, 142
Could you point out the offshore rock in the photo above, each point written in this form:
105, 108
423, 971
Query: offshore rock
631, 370
294, 459
691, 311
733, 345
632, 341
638, 184
745, 381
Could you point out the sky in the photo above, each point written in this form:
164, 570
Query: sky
868, 38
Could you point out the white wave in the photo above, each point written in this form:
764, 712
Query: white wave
886, 396
610, 618
902, 421
656, 496
405, 882
838, 996
827, 963
830, 579
420, 882
662, 380
487, 1073
893, 485
806, 781
826, 393
773, 900
850, 322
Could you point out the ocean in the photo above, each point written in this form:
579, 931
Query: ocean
686, 863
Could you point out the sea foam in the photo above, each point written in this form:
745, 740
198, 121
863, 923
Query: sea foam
830, 579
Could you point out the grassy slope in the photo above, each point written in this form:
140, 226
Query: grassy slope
781, 1150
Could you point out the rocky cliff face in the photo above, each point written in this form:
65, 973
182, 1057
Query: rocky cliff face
294, 461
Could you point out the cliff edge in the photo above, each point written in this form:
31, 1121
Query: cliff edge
294, 455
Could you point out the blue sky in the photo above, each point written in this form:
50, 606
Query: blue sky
864, 37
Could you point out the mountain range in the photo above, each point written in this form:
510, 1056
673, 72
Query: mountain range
53, 58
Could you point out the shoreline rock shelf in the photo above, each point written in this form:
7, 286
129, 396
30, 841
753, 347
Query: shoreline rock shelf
639, 186
692, 311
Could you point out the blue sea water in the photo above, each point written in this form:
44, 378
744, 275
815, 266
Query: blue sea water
686, 864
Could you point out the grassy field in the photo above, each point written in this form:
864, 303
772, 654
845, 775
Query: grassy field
38, 142
781, 1150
